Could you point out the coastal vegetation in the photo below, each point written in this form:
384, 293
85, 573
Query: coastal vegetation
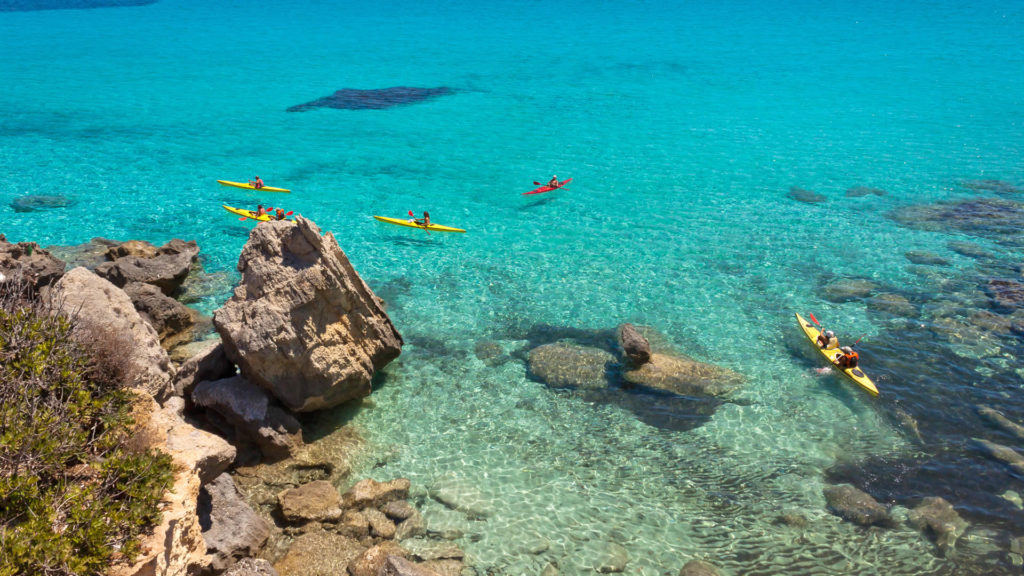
77, 484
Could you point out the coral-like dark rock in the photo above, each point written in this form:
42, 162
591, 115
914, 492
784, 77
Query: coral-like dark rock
806, 196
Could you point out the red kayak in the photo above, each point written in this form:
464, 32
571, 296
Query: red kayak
544, 189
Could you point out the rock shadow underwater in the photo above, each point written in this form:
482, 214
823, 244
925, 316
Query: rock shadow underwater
379, 99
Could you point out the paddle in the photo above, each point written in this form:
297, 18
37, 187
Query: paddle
424, 225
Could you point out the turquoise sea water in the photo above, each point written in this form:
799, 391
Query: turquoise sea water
683, 125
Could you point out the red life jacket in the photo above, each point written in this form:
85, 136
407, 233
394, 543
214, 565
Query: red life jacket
849, 360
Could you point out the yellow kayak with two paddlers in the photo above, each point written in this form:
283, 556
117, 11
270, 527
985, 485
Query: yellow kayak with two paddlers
248, 186
411, 224
251, 214
833, 354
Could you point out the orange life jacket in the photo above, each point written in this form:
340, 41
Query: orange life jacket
849, 360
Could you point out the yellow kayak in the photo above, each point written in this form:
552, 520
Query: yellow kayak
248, 186
248, 213
833, 354
408, 223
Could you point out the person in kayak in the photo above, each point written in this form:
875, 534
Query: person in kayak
849, 358
260, 210
828, 340
553, 182
425, 221
257, 183
280, 213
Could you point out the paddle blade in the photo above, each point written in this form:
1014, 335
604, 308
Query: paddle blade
411, 214
242, 219
815, 320
536, 183
289, 213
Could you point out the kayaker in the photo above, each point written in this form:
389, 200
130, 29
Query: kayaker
257, 183
828, 340
425, 221
260, 210
280, 213
553, 182
849, 358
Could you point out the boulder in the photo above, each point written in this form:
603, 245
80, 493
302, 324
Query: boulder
806, 196
926, 257
856, 506
313, 501
353, 524
137, 248
410, 527
380, 525
370, 493
37, 266
251, 567
490, 353
231, 529
171, 319
370, 562
566, 365
635, 347
1008, 456
319, 554
939, 521
252, 414
106, 316
684, 376
459, 494
698, 568
398, 509
167, 270
303, 324
1001, 421
209, 363
398, 566
612, 560
848, 290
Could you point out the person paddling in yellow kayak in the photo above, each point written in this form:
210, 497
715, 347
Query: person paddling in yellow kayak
425, 221
260, 210
257, 183
828, 340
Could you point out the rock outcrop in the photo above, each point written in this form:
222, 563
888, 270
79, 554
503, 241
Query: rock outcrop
166, 270
252, 415
319, 554
303, 324
231, 529
633, 344
171, 319
857, 506
110, 319
37, 266
251, 567
315, 501
208, 363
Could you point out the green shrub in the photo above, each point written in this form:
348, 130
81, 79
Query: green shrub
75, 492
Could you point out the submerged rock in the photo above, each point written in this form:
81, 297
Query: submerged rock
858, 191
107, 316
848, 290
379, 99
806, 196
937, 518
231, 529
612, 560
566, 365
997, 186
459, 494
996, 417
88, 255
314, 501
398, 566
319, 554
490, 353
371, 493
303, 324
1008, 456
38, 202
894, 304
856, 506
926, 257
1006, 293
969, 249
684, 376
698, 568
37, 266
993, 218
370, 562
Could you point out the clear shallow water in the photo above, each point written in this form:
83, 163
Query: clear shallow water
683, 126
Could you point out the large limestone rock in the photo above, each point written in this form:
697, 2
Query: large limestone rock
107, 316
857, 506
166, 270
303, 324
232, 530
685, 376
567, 365
36, 265
208, 363
938, 520
252, 414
